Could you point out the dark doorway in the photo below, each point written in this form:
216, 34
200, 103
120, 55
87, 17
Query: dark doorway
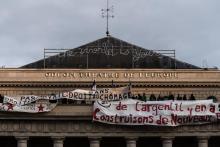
185, 142
8, 142
113, 142
214, 142
151, 142
40, 142
77, 142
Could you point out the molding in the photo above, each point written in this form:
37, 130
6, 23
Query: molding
109, 84
60, 129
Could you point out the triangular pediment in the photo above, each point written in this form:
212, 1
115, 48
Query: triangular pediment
109, 52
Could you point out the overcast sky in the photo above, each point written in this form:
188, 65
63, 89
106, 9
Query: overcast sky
191, 27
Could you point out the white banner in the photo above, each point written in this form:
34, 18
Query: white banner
30, 108
31, 104
105, 94
161, 113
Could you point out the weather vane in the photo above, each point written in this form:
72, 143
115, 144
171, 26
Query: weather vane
107, 13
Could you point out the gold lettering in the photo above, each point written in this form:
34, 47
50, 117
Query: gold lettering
155, 75
116, 75
73, 75
94, 75
112, 75
128, 75
47, 75
52, 74
140, 75
65, 74
81, 75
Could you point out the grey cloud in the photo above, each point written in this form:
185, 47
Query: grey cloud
189, 26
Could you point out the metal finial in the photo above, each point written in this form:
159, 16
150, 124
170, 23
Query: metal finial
106, 14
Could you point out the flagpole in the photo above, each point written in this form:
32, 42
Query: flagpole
112, 83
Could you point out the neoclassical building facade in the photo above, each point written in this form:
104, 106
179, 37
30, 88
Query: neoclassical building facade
71, 124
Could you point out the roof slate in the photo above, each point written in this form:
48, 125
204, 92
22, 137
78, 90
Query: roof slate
110, 52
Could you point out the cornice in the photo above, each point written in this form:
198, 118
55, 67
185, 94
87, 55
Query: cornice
109, 84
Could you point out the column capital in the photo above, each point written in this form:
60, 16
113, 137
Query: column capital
203, 137
94, 138
61, 138
94, 141
203, 141
22, 141
131, 141
58, 141
132, 138
21, 137
167, 141
167, 137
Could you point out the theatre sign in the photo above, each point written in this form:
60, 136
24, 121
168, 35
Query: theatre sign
105, 75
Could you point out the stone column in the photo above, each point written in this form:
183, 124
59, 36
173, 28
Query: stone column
94, 141
22, 141
167, 141
131, 141
203, 141
58, 141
